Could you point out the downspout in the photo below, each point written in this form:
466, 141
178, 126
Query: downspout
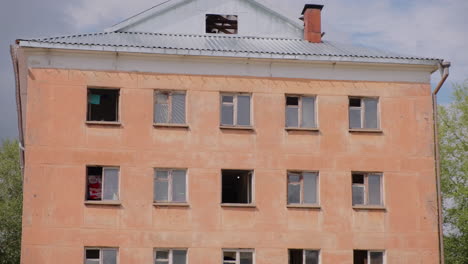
14, 59
444, 71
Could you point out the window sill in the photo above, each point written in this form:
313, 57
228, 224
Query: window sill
304, 206
249, 128
364, 130
369, 207
103, 123
311, 129
110, 203
238, 205
171, 204
171, 125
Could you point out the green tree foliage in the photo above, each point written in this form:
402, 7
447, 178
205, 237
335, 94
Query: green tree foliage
453, 134
11, 200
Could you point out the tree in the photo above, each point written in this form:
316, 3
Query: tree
11, 203
453, 134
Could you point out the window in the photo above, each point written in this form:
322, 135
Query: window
238, 256
101, 256
302, 187
102, 183
363, 113
237, 186
235, 110
103, 105
169, 107
367, 189
170, 256
170, 185
303, 256
300, 112
368, 257
221, 24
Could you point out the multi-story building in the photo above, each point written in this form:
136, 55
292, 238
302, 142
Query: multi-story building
210, 132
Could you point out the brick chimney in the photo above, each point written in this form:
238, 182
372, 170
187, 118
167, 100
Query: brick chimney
312, 23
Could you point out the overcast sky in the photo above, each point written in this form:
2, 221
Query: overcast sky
432, 28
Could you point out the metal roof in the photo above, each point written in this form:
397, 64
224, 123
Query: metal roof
224, 46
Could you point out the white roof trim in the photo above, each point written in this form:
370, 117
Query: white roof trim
171, 3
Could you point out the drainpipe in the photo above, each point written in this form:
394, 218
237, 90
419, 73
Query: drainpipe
444, 72
14, 59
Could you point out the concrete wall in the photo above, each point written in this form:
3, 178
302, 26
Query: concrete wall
58, 225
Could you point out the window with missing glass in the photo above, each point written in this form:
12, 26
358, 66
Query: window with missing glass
302, 187
300, 111
221, 24
103, 105
364, 113
170, 186
238, 256
303, 256
102, 183
169, 107
170, 256
368, 257
367, 189
236, 110
100, 256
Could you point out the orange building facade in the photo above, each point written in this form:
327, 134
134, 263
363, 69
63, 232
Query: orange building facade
262, 161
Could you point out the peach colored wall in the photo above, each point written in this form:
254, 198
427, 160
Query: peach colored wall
59, 145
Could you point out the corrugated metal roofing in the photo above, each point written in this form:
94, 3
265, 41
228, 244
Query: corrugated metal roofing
216, 45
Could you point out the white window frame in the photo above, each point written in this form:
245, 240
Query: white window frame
102, 183
301, 183
101, 260
376, 251
362, 109
304, 254
237, 251
169, 106
235, 106
169, 184
367, 189
170, 259
299, 110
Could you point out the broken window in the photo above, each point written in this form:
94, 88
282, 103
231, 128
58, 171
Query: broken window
237, 186
303, 256
102, 183
100, 256
302, 188
103, 105
300, 112
238, 256
367, 188
235, 110
363, 113
170, 185
368, 257
170, 256
221, 24
169, 107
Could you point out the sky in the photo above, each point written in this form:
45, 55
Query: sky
426, 28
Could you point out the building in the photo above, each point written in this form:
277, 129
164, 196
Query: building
215, 132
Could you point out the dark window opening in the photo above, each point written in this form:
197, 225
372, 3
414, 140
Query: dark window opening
300, 256
94, 184
92, 254
237, 186
356, 102
221, 24
295, 256
292, 100
360, 257
103, 105
358, 178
